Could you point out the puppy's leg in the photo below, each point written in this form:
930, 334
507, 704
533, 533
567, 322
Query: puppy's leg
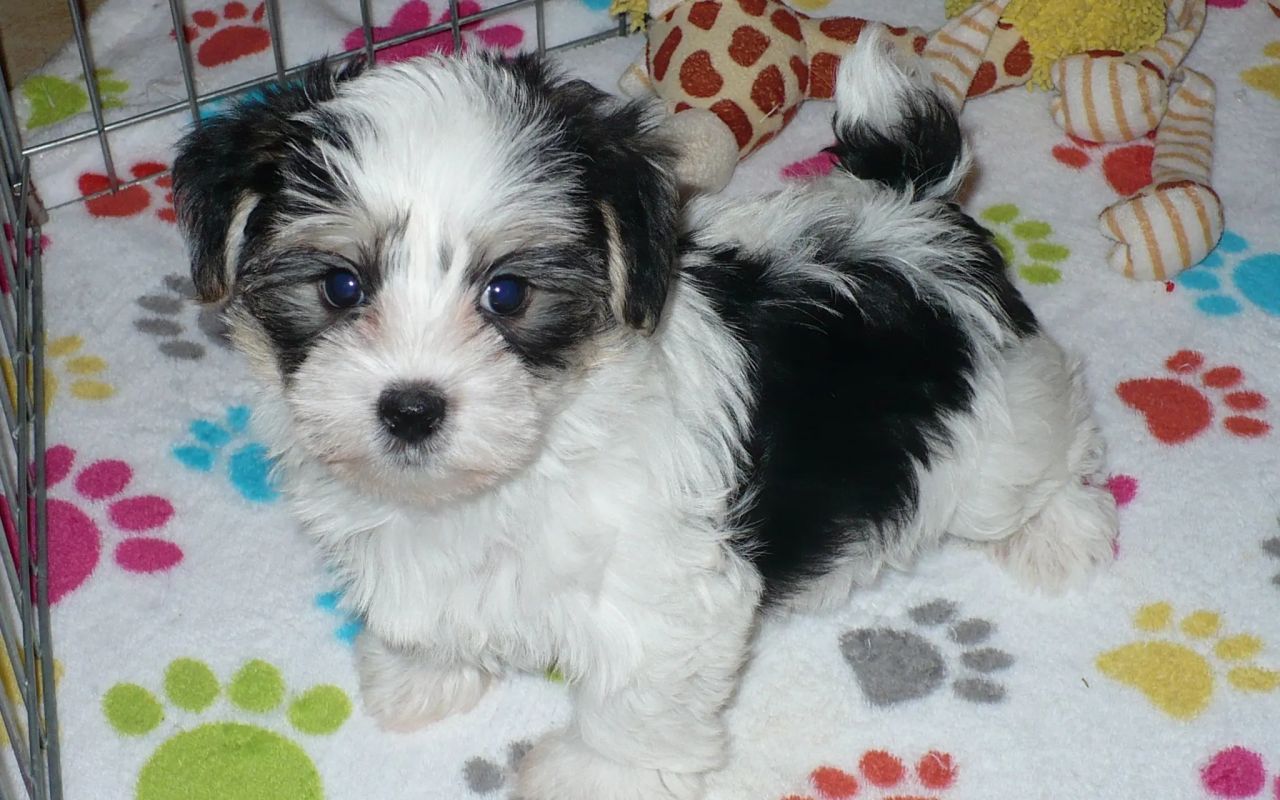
405, 690
648, 724
1038, 497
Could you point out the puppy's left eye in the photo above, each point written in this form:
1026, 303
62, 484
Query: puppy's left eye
342, 288
505, 295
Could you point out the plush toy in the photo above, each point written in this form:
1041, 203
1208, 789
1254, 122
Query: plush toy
1117, 75
734, 73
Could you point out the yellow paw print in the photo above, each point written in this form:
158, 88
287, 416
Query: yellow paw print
1176, 677
9, 685
63, 354
1267, 77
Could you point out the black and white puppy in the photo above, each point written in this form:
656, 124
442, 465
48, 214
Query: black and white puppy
535, 412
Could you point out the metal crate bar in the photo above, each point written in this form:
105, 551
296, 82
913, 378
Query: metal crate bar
91, 84
31, 721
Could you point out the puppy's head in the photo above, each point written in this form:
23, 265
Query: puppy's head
419, 258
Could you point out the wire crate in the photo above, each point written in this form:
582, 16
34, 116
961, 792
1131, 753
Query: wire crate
194, 100
28, 712
28, 706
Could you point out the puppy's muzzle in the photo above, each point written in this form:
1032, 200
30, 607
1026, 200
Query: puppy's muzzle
412, 412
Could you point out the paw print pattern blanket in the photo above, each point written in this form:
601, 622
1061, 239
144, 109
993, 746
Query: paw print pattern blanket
202, 647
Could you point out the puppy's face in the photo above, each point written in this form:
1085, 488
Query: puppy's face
423, 258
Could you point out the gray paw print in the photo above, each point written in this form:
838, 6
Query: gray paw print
484, 777
893, 665
1272, 548
165, 319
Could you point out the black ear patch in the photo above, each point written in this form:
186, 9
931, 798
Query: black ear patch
236, 158
629, 170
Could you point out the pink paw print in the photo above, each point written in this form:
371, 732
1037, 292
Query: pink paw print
883, 776
814, 166
416, 15
13, 253
1236, 772
75, 524
1123, 488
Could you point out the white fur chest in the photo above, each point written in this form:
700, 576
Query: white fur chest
548, 569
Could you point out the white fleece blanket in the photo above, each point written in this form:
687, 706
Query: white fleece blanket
201, 650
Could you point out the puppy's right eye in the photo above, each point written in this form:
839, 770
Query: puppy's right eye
342, 288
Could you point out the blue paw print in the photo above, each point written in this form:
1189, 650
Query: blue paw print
248, 465
350, 626
1223, 293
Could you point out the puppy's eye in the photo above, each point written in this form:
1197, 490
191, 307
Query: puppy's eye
342, 288
505, 295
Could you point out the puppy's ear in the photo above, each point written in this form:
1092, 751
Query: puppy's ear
230, 162
640, 213
629, 167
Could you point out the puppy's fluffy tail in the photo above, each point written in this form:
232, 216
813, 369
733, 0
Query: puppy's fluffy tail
893, 123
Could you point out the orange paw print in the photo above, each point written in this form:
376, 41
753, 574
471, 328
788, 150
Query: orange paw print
883, 776
1176, 410
131, 200
1127, 167
228, 35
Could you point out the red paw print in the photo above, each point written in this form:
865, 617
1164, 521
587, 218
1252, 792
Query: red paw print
1177, 410
241, 33
131, 200
883, 775
1127, 167
75, 525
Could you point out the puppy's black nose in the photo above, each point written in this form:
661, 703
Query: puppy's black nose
411, 412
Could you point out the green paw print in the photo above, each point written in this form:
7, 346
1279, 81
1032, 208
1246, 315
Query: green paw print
226, 760
1024, 244
53, 99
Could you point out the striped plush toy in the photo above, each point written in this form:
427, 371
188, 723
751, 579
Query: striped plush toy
734, 72
1116, 71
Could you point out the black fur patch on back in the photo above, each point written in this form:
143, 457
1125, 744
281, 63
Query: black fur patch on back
850, 397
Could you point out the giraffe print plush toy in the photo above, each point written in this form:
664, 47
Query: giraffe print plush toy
734, 73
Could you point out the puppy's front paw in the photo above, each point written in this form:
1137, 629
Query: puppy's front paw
405, 691
561, 767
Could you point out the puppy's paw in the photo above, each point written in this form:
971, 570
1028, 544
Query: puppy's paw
404, 691
1066, 542
561, 767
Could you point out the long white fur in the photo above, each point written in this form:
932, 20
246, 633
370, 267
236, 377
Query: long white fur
583, 523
